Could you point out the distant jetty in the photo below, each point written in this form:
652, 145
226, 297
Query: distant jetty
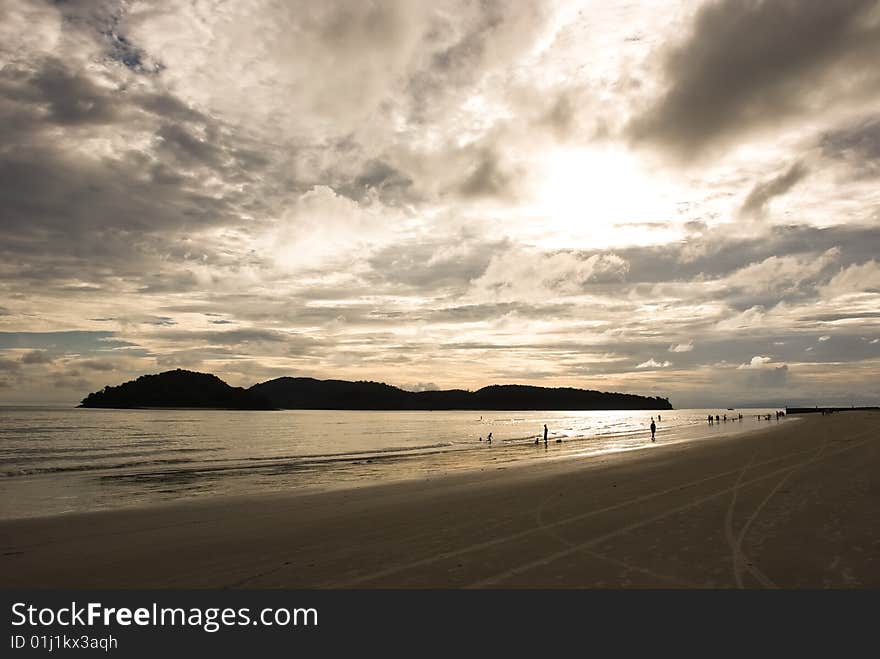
182, 389
819, 408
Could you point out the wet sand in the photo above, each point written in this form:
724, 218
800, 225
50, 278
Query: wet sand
792, 506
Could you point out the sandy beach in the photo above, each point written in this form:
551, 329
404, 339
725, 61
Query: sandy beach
791, 506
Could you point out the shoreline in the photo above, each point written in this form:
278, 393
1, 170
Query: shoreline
508, 454
466, 474
798, 500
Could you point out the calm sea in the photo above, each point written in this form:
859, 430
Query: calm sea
59, 460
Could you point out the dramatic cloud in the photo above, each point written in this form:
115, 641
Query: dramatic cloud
779, 185
443, 194
857, 144
748, 65
862, 278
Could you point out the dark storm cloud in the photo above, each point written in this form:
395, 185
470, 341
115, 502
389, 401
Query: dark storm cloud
37, 357
71, 98
78, 216
765, 191
44, 189
749, 64
858, 144
487, 178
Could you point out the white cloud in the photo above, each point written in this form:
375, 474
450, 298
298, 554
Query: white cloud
682, 347
532, 275
757, 362
854, 279
748, 319
652, 363
778, 273
322, 227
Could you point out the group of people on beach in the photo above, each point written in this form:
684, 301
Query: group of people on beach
537, 439
722, 418
719, 418
559, 441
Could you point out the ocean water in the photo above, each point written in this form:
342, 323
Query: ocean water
61, 460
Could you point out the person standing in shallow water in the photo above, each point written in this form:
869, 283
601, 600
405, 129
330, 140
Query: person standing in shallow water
653, 428
545, 434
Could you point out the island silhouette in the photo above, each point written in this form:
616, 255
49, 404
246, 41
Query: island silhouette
178, 388
181, 388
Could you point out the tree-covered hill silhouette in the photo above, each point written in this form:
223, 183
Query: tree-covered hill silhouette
181, 388
308, 393
178, 388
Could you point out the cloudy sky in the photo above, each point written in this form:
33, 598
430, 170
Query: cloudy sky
658, 197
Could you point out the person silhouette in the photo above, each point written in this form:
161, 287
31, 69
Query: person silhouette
653, 428
545, 434
489, 438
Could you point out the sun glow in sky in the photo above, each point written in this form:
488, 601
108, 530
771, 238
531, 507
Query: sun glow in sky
639, 196
600, 198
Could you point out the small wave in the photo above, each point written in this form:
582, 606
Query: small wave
357, 454
38, 471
